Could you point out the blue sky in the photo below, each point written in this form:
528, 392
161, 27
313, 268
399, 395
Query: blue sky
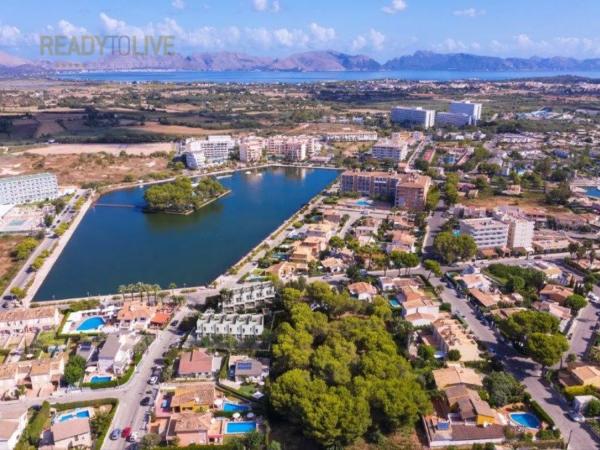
379, 28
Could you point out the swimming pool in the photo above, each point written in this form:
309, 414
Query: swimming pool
235, 407
394, 303
91, 324
84, 414
363, 202
240, 427
100, 379
525, 419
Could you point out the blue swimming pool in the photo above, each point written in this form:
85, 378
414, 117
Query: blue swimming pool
235, 407
98, 379
394, 303
91, 324
240, 427
363, 202
84, 414
525, 419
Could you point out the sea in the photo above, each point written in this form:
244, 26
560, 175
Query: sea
310, 77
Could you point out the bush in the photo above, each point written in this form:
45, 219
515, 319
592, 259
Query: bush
593, 408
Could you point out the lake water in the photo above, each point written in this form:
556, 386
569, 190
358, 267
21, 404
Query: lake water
119, 245
310, 77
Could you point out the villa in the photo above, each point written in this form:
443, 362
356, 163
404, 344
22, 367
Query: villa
362, 291
19, 320
456, 374
401, 242
41, 376
283, 271
116, 353
135, 315
247, 369
74, 433
556, 293
12, 423
333, 265
197, 364
449, 334
562, 313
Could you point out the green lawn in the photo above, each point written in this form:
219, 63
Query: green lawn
47, 338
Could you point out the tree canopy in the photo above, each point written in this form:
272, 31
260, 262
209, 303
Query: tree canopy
181, 196
450, 248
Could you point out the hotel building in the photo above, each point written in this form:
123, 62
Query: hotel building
394, 148
413, 116
453, 119
468, 108
28, 188
200, 153
251, 149
487, 232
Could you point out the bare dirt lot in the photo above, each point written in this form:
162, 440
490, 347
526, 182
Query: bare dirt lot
176, 130
113, 149
84, 168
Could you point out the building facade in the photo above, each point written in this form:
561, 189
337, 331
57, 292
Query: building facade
393, 148
468, 108
487, 232
413, 116
250, 296
251, 149
200, 153
444, 119
28, 188
237, 325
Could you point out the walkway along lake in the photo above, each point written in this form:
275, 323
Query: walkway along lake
121, 245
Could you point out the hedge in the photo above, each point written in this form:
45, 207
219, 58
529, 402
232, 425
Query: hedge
571, 392
539, 411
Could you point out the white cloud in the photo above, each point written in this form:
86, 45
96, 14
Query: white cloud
9, 35
524, 41
322, 34
290, 38
260, 36
68, 29
373, 39
394, 7
112, 25
451, 45
469, 12
266, 5
178, 4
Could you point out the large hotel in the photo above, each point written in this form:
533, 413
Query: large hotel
28, 188
406, 190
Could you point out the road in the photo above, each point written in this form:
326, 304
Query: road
24, 276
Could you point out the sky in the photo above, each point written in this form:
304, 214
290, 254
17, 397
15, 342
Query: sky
382, 29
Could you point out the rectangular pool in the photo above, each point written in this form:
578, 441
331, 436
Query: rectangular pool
96, 379
235, 407
240, 427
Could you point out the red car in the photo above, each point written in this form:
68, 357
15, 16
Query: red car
126, 432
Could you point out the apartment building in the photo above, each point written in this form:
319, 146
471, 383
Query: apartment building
449, 334
28, 188
413, 116
212, 151
487, 232
405, 190
394, 148
237, 325
248, 296
351, 136
19, 320
292, 148
251, 149
468, 108
520, 229
41, 376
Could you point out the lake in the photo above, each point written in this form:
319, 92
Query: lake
309, 77
120, 244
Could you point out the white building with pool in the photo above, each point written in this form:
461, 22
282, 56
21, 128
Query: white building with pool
91, 321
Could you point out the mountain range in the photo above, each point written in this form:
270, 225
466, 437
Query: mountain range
326, 61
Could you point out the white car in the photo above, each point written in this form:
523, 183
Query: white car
153, 380
593, 297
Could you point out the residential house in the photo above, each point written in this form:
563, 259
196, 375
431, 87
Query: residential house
586, 375
402, 241
334, 265
249, 369
196, 364
362, 291
12, 423
456, 374
189, 428
86, 350
322, 230
74, 433
562, 313
41, 376
470, 407
556, 293
485, 299
442, 432
116, 353
135, 315
19, 320
473, 281
417, 307
283, 271
389, 284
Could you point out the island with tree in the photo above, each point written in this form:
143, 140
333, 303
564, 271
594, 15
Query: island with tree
181, 196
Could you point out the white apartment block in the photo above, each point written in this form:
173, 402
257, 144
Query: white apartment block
487, 232
468, 108
213, 151
292, 148
251, 149
246, 297
237, 325
413, 116
520, 233
458, 120
28, 188
395, 148
351, 136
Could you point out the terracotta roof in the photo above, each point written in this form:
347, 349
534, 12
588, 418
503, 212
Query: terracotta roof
161, 318
134, 311
70, 428
586, 373
189, 422
196, 361
456, 375
20, 314
473, 433
361, 288
200, 393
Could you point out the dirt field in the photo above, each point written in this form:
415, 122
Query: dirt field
78, 169
176, 130
113, 149
7, 244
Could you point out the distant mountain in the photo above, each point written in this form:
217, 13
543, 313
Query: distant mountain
326, 61
422, 60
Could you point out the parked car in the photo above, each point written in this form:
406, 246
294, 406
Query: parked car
174, 323
153, 380
114, 435
576, 416
133, 437
145, 401
126, 432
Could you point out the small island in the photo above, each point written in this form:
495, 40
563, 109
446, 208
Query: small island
181, 196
